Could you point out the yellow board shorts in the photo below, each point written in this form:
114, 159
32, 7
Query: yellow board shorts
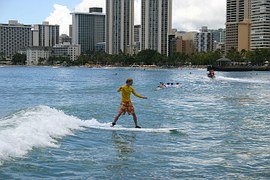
126, 107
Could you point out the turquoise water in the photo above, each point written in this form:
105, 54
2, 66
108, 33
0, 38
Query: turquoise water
54, 123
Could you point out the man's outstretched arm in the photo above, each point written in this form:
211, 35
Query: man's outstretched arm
138, 95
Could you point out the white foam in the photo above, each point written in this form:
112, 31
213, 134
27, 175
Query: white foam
38, 127
42, 127
222, 78
168, 86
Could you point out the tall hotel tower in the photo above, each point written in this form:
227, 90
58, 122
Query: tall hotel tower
156, 25
88, 29
238, 24
119, 26
260, 28
45, 35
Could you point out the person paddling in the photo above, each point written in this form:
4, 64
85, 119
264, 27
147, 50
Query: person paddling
126, 104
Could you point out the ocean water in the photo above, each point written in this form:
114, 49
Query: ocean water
54, 124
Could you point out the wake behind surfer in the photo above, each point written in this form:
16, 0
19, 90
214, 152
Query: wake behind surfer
126, 104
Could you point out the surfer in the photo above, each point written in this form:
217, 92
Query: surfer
126, 104
211, 74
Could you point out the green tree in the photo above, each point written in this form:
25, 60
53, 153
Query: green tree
19, 59
150, 57
205, 58
2, 56
260, 56
41, 61
178, 59
234, 55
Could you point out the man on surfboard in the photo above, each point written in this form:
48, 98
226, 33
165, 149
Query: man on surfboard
126, 104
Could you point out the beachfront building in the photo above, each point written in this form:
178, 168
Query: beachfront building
182, 42
223, 36
64, 38
172, 45
189, 39
260, 28
219, 46
37, 55
13, 37
238, 24
218, 35
156, 25
88, 29
137, 37
119, 26
73, 51
204, 40
45, 35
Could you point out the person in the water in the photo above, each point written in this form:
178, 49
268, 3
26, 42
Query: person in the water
162, 85
211, 74
126, 104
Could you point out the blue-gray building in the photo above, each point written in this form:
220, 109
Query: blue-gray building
88, 29
13, 37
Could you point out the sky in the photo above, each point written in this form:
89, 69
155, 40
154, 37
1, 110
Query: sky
188, 15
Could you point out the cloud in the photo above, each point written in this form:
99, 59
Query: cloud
61, 16
86, 4
188, 15
192, 14
137, 12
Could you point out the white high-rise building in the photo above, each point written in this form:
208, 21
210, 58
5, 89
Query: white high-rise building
260, 24
36, 55
137, 37
204, 40
119, 26
156, 25
14, 37
45, 35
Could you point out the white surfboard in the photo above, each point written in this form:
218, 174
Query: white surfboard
94, 124
149, 130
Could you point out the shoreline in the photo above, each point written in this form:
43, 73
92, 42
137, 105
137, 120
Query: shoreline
151, 67
110, 66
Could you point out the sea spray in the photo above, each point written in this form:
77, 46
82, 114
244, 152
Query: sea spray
37, 127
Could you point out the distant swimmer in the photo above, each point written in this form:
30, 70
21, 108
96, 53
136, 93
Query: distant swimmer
162, 85
126, 104
168, 85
